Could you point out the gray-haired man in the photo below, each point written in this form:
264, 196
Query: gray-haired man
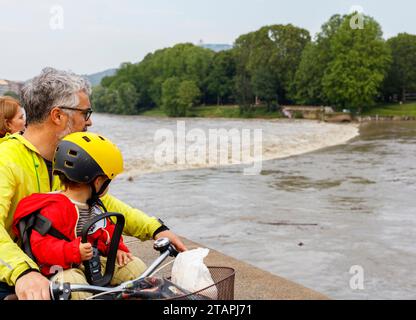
56, 103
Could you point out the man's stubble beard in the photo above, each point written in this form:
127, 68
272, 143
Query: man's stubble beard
68, 129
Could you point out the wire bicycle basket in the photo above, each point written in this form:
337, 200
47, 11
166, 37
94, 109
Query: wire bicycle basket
222, 289
153, 288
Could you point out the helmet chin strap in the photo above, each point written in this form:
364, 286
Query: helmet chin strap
95, 196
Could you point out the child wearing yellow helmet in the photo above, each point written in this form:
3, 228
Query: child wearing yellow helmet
86, 163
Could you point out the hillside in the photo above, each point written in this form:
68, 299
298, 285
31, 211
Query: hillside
96, 78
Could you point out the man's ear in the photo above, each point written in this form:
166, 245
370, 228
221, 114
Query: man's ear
57, 115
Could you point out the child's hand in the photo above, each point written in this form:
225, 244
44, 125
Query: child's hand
85, 249
123, 258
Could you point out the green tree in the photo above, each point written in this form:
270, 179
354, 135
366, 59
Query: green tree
244, 92
97, 100
265, 87
220, 82
402, 74
11, 94
170, 103
104, 99
307, 87
121, 93
243, 89
359, 62
127, 98
184, 61
273, 53
188, 95
138, 87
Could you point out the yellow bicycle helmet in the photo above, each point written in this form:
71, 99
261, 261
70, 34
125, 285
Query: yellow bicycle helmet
83, 156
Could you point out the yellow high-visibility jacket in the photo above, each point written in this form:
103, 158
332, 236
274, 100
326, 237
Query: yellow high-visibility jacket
24, 172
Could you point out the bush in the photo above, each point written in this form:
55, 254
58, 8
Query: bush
297, 115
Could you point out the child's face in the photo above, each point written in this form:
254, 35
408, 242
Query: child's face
99, 183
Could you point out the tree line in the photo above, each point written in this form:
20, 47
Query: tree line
342, 66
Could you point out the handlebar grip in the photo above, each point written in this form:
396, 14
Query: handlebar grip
60, 290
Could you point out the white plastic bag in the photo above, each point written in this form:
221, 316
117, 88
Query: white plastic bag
190, 273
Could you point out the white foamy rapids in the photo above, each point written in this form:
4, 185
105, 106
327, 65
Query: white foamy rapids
280, 138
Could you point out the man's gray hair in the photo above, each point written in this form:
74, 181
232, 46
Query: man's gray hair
52, 88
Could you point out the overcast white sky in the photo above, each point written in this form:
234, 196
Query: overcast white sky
101, 34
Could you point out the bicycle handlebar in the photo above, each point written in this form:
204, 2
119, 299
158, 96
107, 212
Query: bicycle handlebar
62, 291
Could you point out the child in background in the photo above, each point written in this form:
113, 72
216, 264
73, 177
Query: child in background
12, 117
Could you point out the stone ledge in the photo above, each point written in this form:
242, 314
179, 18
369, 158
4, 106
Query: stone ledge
251, 283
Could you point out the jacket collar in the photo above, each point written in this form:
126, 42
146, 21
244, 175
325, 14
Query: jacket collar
24, 141
5, 137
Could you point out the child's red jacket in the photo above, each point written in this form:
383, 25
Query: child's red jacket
50, 251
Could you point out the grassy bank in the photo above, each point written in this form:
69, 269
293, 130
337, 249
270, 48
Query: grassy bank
219, 112
391, 110
233, 111
154, 113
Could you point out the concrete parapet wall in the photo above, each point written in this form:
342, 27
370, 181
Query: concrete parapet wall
251, 283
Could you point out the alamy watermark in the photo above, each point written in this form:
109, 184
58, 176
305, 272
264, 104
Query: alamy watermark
218, 147
357, 20
357, 280
56, 21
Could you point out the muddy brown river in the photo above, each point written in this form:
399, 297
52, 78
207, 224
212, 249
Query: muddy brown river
309, 218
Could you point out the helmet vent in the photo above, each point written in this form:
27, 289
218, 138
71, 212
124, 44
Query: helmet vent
101, 138
72, 153
86, 138
69, 164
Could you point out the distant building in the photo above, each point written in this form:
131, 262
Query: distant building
4, 86
215, 47
13, 86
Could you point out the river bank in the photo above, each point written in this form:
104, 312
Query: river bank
381, 112
378, 118
220, 111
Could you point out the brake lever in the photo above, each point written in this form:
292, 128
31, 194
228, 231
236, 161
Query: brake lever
173, 251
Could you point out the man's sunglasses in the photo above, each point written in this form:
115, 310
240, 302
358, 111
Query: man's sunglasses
86, 112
